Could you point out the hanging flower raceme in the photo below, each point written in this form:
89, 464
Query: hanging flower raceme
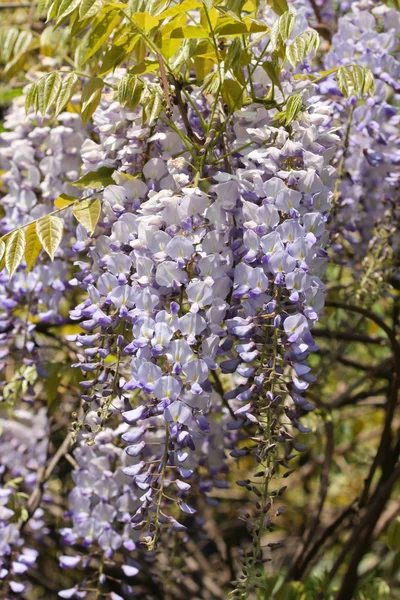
23, 451
198, 266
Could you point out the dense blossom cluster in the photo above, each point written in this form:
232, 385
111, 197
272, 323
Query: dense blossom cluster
38, 161
23, 451
368, 35
197, 295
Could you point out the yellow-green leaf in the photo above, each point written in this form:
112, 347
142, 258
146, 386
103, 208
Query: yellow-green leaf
179, 8
152, 109
145, 20
282, 28
2, 249
278, 6
87, 213
226, 26
33, 246
232, 93
66, 91
129, 91
52, 86
15, 250
101, 32
89, 8
91, 96
95, 179
64, 200
50, 230
189, 32
303, 44
66, 8
31, 97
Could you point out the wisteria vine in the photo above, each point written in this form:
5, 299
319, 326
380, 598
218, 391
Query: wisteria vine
187, 293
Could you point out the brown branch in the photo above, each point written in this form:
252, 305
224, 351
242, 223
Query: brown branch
347, 336
377, 320
361, 538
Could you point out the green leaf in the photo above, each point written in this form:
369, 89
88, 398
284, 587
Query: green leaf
232, 93
101, 33
91, 96
278, 6
345, 81
293, 107
272, 73
179, 8
20, 52
87, 213
129, 91
66, 92
189, 32
145, 21
50, 230
33, 246
89, 8
113, 57
64, 200
52, 86
31, 97
65, 9
95, 179
369, 83
282, 28
15, 250
234, 28
152, 109
302, 45
2, 249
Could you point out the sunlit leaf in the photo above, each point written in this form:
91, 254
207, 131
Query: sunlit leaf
89, 8
66, 8
64, 200
293, 107
179, 8
101, 33
129, 91
232, 93
152, 109
282, 28
91, 96
15, 250
66, 92
2, 249
50, 230
52, 86
278, 6
95, 179
189, 32
145, 21
87, 212
302, 45
33, 246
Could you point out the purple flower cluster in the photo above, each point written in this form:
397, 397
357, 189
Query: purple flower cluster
368, 36
23, 451
186, 289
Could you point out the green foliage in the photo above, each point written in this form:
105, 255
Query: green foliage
355, 81
393, 536
87, 212
90, 38
49, 230
302, 45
